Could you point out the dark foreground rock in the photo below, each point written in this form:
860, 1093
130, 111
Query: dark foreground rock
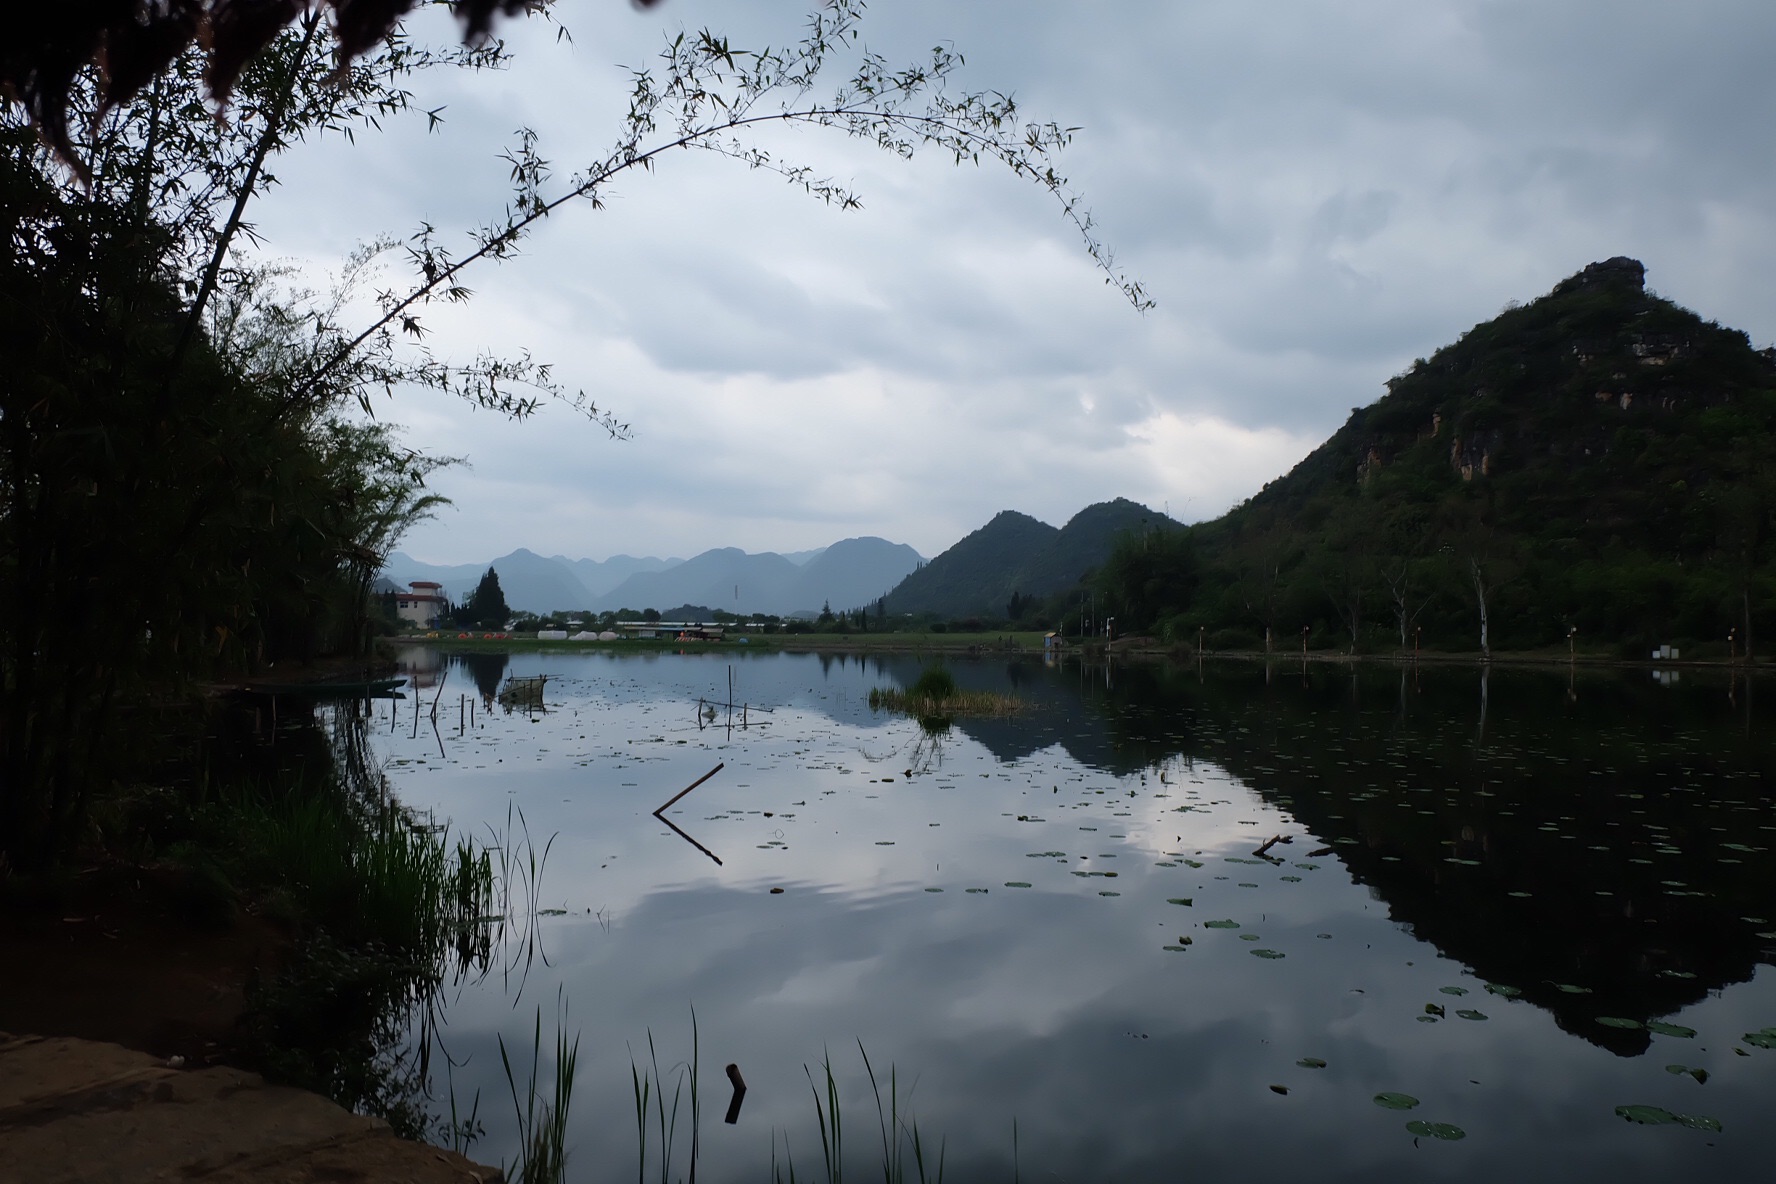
81, 1110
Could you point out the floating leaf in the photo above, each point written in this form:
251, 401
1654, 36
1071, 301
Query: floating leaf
1270, 955
551, 912
1647, 1115
976, 890
1468, 1013
1017, 884
1436, 1130
1616, 1021
1279, 1089
1290, 879
1175, 949
1393, 1101
1762, 1038
1186, 901
1452, 990
1659, 1116
1570, 989
1311, 1063
1665, 1029
1221, 924
1503, 991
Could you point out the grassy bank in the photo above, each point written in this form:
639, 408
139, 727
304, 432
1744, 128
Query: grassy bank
258, 898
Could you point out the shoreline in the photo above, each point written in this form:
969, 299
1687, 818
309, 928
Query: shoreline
988, 645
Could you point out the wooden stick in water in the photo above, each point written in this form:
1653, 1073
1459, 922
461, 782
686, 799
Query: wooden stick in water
687, 789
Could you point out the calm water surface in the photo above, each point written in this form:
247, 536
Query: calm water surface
1523, 901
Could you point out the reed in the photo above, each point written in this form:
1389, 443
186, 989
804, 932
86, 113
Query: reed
542, 1120
905, 1156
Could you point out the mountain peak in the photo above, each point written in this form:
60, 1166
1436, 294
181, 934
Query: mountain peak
1620, 272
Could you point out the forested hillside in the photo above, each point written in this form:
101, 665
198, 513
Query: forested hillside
1015, 554
1594, 461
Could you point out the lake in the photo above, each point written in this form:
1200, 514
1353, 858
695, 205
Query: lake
1516, 924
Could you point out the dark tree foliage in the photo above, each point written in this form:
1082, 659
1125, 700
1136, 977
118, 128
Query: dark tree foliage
165, 515
486, 606
46, 44
1149, 577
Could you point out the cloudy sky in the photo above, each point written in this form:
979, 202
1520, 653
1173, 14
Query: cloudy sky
1315, 193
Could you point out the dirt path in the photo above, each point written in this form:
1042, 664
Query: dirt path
80, 1110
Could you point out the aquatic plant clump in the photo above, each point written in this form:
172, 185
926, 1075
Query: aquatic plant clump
976, 704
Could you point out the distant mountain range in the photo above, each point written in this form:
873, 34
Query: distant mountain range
848, 574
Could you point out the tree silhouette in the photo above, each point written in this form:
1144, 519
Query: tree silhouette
46, 44
486, 606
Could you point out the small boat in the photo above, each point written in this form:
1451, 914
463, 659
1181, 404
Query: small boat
361, 688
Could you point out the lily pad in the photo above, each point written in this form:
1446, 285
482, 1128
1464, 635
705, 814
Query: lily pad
1183, 900
1395, 1101
1436, 1130
1647, 1115
1311, 1063
1452, 990
1017, 884
1616, 1021
1659, 1116
1503, 991
1468, 1013
1271, 955
1762, 1038
1665, 1029
1221, 924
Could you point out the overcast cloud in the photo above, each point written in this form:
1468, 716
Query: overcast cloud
1314, 192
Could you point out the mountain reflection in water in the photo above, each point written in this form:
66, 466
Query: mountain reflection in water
1512, 856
